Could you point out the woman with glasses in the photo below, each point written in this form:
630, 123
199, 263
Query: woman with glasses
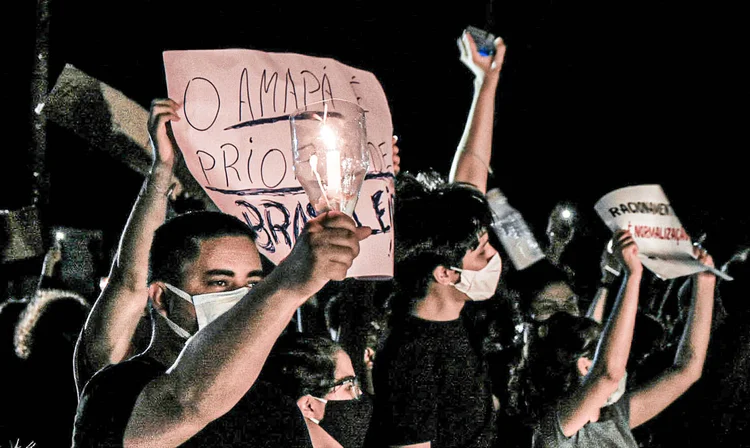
318, 374
574, 388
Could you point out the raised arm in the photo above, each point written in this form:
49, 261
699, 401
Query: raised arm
471, 163
687, 368
610, 267
194, 392
609, 363
107, 334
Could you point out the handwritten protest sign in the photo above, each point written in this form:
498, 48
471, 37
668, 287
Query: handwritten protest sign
235, 137
663, 244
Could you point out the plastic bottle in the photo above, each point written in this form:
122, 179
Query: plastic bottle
513, 232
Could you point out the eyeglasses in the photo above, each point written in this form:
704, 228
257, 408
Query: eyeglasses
544, 307
349, 384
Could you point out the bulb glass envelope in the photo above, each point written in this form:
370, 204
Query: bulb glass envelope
329, 144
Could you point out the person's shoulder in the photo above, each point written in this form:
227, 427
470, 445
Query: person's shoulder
108, 399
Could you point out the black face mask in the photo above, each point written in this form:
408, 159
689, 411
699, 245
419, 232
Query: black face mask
347, 420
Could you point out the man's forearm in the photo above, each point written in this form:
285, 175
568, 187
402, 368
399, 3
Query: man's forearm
238, 343
149, 212
471, 163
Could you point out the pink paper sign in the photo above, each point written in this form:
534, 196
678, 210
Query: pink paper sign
236, 140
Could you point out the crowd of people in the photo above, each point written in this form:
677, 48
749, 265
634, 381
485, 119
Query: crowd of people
195, 340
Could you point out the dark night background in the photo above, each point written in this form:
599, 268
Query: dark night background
593, 96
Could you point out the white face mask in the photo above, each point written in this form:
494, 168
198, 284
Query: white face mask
480, 285
210, 306
181, 332
616, 395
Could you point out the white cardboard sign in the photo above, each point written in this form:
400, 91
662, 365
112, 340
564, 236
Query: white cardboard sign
663, 244
236, 140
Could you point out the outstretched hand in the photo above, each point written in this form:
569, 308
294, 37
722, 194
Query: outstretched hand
160, 131
324, 251
481, 66
626, 251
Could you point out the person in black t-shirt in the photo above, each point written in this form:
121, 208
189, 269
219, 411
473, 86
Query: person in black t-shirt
431, 382
215, 322
432, 386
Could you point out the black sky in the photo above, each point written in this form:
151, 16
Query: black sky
593, 96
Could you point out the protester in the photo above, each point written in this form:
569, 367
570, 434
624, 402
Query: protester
544, 290
575, 387
431, 384
119, 325
205, 287
318, 375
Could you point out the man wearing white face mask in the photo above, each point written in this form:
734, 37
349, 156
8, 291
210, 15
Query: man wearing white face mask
430, 380
215, 321
211, 305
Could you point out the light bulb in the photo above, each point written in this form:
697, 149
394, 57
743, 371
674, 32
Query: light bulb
330, 154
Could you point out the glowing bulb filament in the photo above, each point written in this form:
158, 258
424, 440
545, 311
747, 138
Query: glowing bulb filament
314, 166
333, 161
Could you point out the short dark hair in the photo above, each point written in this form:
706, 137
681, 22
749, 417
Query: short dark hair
301, 364
435, 224
177, 242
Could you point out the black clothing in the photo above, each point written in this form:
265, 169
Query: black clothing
431, 384
264, 417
